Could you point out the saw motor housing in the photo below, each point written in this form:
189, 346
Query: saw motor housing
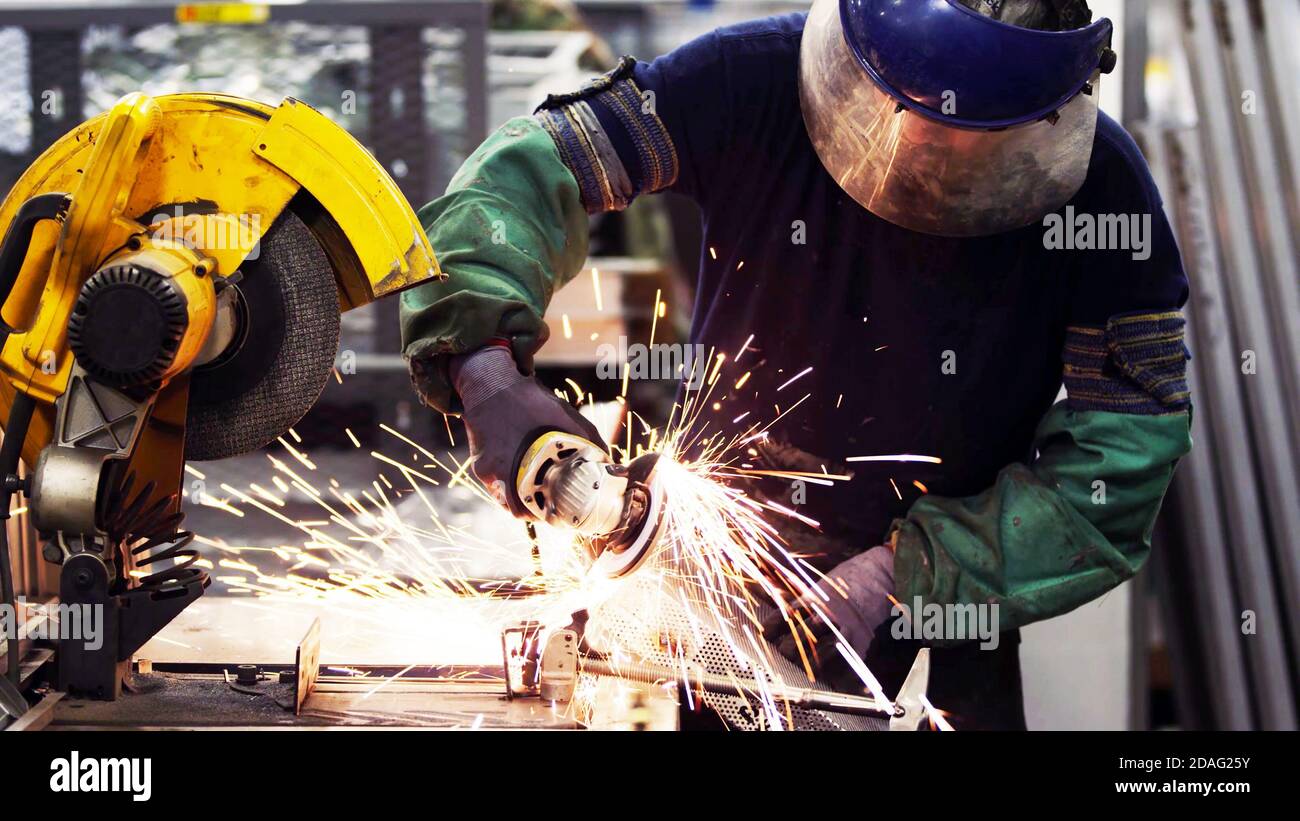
137, 303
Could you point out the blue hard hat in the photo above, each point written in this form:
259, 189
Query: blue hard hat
925, 52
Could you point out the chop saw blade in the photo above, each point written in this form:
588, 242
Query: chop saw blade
268, 377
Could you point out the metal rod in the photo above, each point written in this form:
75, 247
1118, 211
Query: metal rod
725, 685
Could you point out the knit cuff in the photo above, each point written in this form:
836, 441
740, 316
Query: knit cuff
1136, 364
481, 375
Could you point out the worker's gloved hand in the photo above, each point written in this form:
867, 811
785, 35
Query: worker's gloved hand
504, 412
857, 604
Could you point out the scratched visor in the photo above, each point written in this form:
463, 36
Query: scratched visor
926, 171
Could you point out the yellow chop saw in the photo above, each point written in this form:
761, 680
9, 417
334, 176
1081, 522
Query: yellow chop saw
172, 276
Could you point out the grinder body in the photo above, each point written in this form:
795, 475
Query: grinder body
569, 482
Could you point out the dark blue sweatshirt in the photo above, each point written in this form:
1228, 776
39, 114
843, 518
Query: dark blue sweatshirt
876, 310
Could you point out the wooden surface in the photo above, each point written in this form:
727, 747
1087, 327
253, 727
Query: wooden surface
234, 630
186, 701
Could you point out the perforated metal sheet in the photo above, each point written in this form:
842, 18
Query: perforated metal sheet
651, 613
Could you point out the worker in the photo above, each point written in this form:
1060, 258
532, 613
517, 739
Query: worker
920, 202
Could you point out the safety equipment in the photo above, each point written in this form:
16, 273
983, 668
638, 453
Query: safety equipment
171, 278
539, 457
944, 121
504, 412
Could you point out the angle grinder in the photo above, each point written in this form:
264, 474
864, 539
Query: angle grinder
569, 482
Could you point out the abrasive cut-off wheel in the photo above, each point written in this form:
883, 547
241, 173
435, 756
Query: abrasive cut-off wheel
278, 364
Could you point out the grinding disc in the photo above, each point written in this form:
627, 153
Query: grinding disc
278, 365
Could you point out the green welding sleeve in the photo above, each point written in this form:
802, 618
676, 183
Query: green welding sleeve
513, 225
509, 231
1077, 521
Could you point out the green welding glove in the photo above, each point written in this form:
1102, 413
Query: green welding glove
505, 412
1077, 520
1050, 536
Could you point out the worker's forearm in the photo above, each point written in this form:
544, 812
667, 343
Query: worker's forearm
1047, 539
510, 230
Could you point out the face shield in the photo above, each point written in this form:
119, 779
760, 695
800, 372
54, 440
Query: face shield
947, 122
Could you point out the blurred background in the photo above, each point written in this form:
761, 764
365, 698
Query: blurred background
1207, 637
